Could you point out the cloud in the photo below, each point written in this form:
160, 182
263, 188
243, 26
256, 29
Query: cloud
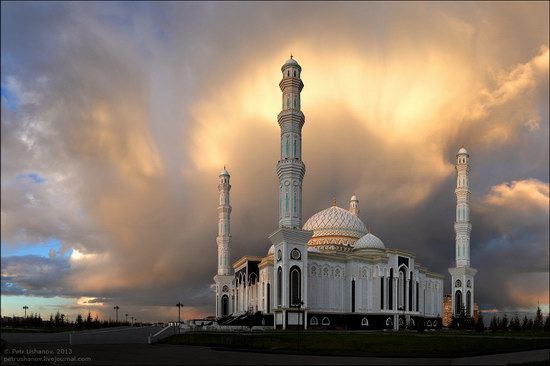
513, 247
129, 113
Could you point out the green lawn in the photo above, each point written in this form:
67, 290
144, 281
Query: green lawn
379, 343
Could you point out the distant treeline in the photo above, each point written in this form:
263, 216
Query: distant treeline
58, 320
504, 323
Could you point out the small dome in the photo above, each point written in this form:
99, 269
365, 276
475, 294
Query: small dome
291, 62
271, 250
353, 198
224, 172
369, 241
462, 151
335, 221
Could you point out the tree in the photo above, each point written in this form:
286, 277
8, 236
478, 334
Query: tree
79, 322
57, 319
89, 320
515, 324
525, 323
547, 324
504, 323
494, 323
538, 323
480, 326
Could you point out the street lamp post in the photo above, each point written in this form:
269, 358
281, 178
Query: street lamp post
116, 312
132, 320
179, 305
126, 318
25, 308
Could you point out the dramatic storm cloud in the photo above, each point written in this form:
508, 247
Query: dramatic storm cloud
117, 118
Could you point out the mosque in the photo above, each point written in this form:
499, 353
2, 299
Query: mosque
331, 272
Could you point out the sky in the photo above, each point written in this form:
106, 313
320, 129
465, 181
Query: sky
118, 117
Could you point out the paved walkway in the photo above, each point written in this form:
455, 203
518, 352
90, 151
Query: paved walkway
164, 354
128, 346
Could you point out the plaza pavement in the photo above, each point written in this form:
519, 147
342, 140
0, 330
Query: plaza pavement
136, 351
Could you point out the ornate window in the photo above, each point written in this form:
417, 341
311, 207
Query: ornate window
364, 322
295, 286
294, 202
286, 203
225, 288
326, 321
279, 286
429, 324
389, 322
295, 254
469, 283
287, 147
458, 283
458, 302
313, 321
225, 305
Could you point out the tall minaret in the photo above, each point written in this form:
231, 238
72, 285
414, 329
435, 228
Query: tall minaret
224, 278
290, 168
462, 274
290, 280
224, 220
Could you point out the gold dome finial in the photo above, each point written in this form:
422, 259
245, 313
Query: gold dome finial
333, 200
291, 55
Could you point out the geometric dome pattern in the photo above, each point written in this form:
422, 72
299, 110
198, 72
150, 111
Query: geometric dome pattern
335, 221
369, 241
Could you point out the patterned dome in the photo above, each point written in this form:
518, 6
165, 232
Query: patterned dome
369, 241
335, 221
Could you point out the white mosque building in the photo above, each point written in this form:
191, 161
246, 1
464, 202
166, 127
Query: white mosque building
330, 272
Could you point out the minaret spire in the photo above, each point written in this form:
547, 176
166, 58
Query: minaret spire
462, 274
290, 168
224, 221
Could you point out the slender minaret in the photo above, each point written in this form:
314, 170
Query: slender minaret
224, 220
354, 205
290, 280
290, 168
462, 274
463, 227
224, 278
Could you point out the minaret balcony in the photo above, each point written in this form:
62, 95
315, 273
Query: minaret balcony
291, 166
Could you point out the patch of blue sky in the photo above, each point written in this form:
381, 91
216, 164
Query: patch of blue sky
34, 177
11, 100
13, 305
41, 249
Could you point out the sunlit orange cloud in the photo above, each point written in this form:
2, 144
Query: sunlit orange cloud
132, 148
523, 195
398, 104
528, 299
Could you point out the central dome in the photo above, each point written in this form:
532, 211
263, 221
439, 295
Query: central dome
334, 226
